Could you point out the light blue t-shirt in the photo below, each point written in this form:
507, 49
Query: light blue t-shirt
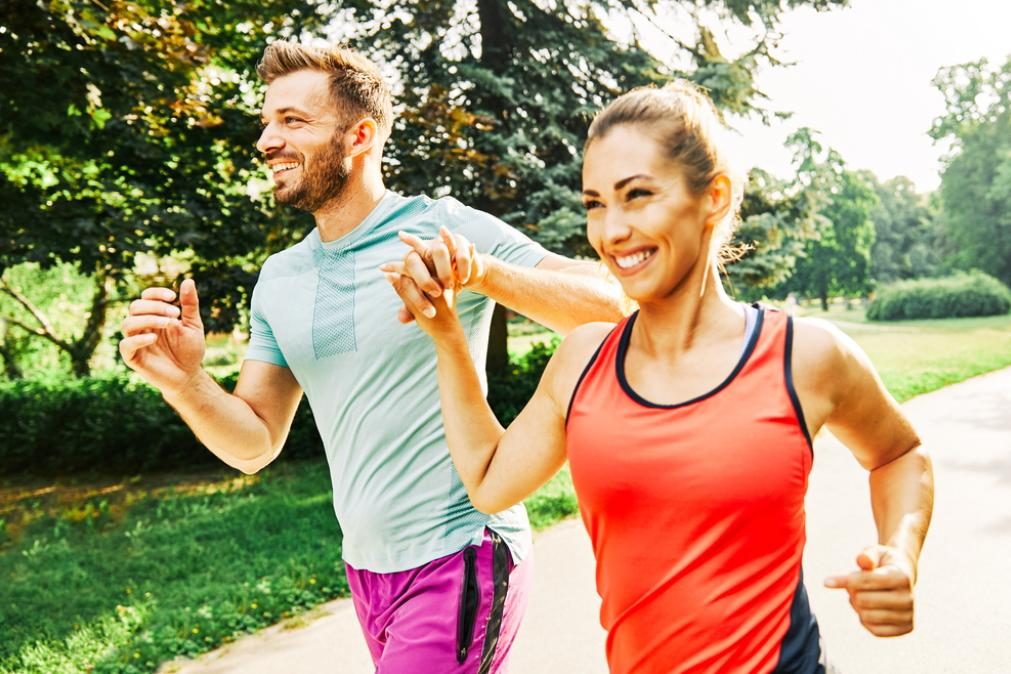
325, 311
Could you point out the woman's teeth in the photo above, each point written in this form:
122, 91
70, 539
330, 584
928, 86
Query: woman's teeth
629, 261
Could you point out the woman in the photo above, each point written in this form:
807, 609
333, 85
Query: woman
688, 426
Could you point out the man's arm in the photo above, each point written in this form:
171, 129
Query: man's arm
165, 345
558, 292
245, 429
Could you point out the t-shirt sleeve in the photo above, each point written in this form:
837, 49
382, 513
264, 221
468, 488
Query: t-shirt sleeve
494, 237
262, 345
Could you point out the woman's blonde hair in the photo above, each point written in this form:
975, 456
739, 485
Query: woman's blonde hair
684, 121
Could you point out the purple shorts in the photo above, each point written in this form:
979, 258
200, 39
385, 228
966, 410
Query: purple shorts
454, 615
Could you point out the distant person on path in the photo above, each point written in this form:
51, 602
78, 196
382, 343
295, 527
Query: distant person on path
438, 586
688, 425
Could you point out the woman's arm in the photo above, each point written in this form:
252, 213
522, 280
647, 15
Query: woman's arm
845, 392
499, 467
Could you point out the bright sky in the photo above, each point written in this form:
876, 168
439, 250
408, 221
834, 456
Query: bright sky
862, 78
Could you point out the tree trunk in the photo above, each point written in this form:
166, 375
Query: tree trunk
84, 347
11, 369
496, 50
498, 344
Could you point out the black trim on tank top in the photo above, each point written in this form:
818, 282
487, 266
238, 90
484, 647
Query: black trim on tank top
788, 373
586, 370
626, 336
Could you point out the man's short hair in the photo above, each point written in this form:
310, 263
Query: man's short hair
356, 85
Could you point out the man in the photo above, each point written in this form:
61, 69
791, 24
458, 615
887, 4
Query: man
438, 586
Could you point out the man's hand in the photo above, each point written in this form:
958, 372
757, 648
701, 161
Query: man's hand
444, 264
162, 342
436, 316
882, 591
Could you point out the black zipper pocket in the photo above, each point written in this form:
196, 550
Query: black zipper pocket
470, 599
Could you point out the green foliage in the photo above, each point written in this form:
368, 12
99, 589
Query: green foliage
509, 392
976, 182
780, 217
838, 260
161, 575
127, 130
907, 233
110, 423
972, 294
61, 295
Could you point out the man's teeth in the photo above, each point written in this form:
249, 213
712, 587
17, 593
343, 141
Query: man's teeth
631, 260
277, 168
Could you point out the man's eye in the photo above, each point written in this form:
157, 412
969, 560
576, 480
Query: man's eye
292, 120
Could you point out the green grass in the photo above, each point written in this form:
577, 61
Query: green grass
916, 357
127, 578
122, 576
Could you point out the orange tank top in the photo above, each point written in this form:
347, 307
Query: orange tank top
696, 513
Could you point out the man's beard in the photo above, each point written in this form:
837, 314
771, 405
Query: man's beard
321, 184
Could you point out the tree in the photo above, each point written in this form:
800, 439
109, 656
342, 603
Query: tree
137, 137
976, 180
778, 217
498, 95
127, 129
838, 260
905, 226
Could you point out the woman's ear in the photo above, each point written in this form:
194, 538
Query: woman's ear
720, 198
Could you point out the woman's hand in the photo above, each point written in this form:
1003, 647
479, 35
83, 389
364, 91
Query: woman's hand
435, 315
881, 592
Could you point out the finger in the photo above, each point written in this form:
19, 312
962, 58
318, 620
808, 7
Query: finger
135, 325
405, 316
870, 558
882, 617
411, 240
882, 578
901, 600
889, 630
129, 346
416, 243
190, 304
154, 307
160, 294
443, 263
841, 582
461, 251
414, 300
415, 269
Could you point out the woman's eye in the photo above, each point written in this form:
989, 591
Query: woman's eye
637, 192
292, 120
590, 205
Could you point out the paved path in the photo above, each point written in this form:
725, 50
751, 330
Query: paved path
964, 594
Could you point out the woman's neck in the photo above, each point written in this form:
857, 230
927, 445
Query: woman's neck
697, 309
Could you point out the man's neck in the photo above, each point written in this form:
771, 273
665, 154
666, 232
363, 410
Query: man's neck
359, 199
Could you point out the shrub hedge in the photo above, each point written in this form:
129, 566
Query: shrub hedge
114, 424
967, 294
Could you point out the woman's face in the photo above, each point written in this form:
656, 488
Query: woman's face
642, 218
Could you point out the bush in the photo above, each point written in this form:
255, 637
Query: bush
109, 424
117, 424
971, 294
509, 393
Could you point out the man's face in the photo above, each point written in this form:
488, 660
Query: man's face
302, 141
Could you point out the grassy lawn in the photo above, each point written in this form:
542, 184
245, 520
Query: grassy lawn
916, 357
119, 576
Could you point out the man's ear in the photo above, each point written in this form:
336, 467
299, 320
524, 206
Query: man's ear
362, 137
